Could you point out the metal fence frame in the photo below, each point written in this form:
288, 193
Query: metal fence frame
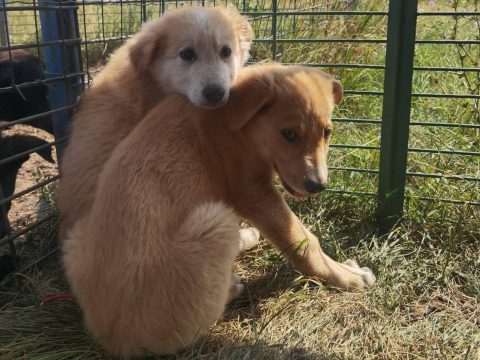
61, 42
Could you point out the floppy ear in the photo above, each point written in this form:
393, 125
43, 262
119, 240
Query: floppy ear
145, 47
243, 29
337, 92
247, 98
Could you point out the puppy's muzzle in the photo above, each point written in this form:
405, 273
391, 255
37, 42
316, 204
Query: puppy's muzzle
313, 186
214, 95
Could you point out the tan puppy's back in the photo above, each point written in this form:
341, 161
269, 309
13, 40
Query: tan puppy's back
151, 265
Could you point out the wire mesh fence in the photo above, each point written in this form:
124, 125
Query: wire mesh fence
72, 40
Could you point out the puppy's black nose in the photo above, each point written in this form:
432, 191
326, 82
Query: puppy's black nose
213, 93
313, 186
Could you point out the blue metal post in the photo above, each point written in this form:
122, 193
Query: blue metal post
61, 60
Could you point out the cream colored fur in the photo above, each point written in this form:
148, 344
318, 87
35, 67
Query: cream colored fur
151, 264
137, 77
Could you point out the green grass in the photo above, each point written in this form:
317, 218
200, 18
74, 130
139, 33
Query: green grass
426, 302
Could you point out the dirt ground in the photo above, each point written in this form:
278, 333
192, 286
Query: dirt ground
29, 207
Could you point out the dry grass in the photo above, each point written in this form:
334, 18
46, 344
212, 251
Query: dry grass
424, 306
426, 302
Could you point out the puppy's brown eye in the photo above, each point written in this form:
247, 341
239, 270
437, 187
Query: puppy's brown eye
290, 135
225, 52
327, 133
188, 55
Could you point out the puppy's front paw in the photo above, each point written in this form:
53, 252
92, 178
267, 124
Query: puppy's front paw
366, 275
352, 263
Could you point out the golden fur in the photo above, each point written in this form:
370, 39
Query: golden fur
138, 76
151, 264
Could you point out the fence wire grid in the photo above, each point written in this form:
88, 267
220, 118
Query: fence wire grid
439, 135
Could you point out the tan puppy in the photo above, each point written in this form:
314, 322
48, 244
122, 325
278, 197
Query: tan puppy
196, 52
151, 265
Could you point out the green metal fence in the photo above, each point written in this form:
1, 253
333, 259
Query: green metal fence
383, 52
407, 132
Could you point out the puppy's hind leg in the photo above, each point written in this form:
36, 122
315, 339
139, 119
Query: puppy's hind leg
236, 288
249, 238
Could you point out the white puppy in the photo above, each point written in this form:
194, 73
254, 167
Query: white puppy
196, 52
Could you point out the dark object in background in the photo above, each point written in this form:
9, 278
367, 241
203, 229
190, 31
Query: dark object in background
7, 265
26, 68
10, 146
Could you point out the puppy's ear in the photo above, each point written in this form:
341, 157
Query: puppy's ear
249, 97
337, 88
243, 29
337, 92
145, 47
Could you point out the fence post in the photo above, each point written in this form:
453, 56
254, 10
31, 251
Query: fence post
274, 29
402, 20
3, 24
61, 59
143, 4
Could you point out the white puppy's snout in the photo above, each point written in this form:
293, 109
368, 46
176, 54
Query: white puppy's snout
214, 94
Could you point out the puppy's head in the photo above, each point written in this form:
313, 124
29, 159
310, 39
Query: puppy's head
196, 52
286, 112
